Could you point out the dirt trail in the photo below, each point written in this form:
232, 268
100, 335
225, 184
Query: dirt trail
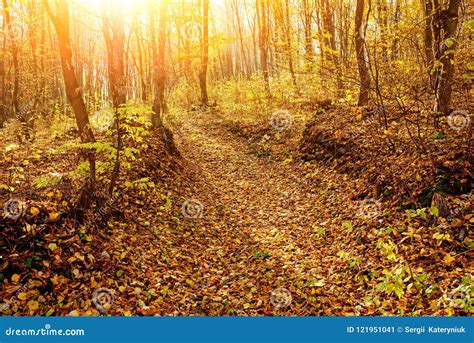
261, 230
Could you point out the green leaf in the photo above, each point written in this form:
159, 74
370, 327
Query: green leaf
347, 225
422, 214
261, 254
449, 42
438, 135
470, 24
434, 211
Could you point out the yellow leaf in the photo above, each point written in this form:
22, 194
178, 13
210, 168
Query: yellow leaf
386, 132
21, 296
74, 313
246, 305
190, 282
122, 288
71, 259
52, 246
34, 211
15, 277
33, 305
448, 259
28, 228
53, 215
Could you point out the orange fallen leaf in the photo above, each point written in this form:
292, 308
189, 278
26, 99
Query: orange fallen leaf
33, 305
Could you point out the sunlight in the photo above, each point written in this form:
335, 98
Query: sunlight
126, 5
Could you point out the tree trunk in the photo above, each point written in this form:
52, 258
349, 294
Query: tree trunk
428, 39
159, 75
329, 28
14, 51
364, 85
245, 63
204, 52
73, 92
308, 39
114, 35
263, 41
288, 42
444, 28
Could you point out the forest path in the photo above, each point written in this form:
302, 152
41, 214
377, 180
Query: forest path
262, 228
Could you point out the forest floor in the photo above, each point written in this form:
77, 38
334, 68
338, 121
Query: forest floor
256, 234
225, 231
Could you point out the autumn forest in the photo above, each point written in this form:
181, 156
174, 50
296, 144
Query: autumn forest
236, 157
